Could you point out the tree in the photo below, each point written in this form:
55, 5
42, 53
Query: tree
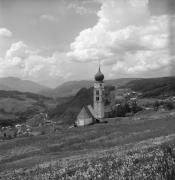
169, 105
121, 110
135, 108
156, 105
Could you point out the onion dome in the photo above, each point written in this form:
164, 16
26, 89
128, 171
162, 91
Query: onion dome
99, 76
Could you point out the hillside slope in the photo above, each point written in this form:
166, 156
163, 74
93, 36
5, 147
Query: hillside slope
87, 142
153, 87
18, 106
13, 83
69, 88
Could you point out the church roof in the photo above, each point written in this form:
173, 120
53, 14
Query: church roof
85, 113
99, 75
90, 108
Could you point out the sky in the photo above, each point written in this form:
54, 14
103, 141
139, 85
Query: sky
51, 42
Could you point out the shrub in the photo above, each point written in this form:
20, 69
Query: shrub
156, 105
169, 105
121, 110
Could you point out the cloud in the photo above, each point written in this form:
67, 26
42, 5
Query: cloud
23, 62
18, 49
142, 61
48, 17
80, 8
5, 32
124, 32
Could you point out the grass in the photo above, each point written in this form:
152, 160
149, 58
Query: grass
77, 142
149, 159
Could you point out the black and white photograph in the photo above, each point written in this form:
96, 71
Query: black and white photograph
87, 89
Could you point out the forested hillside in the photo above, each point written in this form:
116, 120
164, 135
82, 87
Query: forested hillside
153, 87
68, 111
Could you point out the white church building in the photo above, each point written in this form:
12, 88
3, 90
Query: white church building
88, 114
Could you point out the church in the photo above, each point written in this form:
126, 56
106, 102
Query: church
88, 114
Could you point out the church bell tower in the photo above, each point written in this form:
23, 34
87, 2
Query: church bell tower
99, 95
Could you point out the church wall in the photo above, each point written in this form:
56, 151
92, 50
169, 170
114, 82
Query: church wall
83, 122
99, 99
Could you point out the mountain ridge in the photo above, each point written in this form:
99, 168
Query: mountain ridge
70, 88
17, 84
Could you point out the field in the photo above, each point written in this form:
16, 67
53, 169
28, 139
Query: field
150, 159
73, 152
17, 107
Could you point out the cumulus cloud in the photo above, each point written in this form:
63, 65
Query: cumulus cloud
18, 49
142, 61
22, 61
5, 32
126, 36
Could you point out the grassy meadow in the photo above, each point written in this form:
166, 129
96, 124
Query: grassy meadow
149, 159
24, 154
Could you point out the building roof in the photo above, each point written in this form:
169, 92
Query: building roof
90, 108
99, 75
85, 113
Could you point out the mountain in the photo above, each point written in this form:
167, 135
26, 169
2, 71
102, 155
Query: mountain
72, 87
66, 89
13, 83
153, 87
69, 88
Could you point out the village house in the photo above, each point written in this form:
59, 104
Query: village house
23, 129
8, 132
